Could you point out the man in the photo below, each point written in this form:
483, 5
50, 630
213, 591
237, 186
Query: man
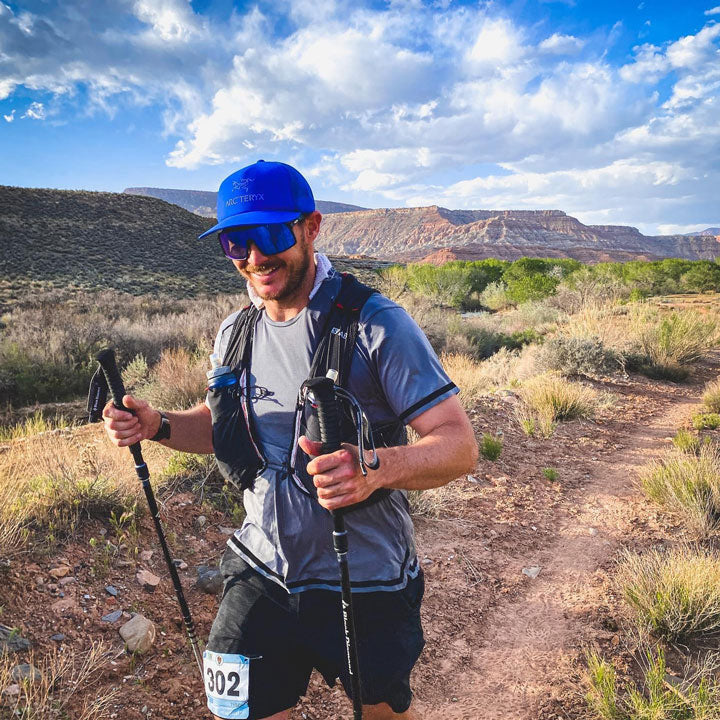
280, 615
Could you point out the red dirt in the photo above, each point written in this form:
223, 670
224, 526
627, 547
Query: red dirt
499, 644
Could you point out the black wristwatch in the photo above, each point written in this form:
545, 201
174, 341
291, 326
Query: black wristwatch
163, 432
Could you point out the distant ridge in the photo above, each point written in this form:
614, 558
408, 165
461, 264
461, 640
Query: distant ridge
714, 231
436, 234
203, 202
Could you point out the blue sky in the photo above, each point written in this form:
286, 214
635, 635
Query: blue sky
607, 110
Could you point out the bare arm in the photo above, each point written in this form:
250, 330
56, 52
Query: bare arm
446, 449
191, 430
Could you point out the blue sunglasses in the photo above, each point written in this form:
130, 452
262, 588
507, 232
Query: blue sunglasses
269, 239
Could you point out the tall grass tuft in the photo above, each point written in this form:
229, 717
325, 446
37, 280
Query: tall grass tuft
675, 594
695, 697
711, 396
34, 425
177, 381
466, 373
550, 398
688, 485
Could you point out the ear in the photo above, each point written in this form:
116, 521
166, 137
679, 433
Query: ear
312, 225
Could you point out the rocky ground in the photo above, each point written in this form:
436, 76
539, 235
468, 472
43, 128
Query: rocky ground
517, 569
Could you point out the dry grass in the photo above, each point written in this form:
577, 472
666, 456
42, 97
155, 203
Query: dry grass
675, 594
467, 374
694, 696
53, 695
551, 397
51, 481
711, 396
688, 485
177, 381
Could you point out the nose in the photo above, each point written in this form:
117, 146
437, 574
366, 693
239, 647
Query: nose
255, 257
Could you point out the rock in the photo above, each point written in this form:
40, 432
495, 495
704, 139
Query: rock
111, 590
210, 580
26, 672
67, 581
39, 580
63, 605
60, 572
12, 690
226, 530
148, 581
138, 634
180, 564
201, 521
146, 555
11, 641
532, 572
112, 617
58, 637
593, 532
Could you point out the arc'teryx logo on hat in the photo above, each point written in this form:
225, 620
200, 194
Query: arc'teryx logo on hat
243, 184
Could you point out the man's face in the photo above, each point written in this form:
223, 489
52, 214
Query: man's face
279, 277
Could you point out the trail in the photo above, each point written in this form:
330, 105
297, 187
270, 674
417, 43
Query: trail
516, 652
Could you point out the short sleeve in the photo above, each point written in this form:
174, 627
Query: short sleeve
408, 370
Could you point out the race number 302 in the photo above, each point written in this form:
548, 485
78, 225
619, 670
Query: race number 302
226, 684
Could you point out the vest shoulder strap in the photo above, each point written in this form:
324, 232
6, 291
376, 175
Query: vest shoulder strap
337, 344
240, 343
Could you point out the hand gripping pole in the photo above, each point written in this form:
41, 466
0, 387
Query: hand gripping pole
329, 420
106, 358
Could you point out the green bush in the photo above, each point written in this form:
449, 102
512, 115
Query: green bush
550, 474
711, 397
491, 446
687, 442
706, 421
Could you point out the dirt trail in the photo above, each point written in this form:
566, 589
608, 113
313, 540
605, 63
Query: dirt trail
525, 642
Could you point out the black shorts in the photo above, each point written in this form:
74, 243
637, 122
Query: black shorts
286, 635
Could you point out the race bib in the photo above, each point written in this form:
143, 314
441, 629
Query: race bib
227, 679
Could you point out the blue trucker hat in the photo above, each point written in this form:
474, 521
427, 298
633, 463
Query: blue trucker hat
265, 192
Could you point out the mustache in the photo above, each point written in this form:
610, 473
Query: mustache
265, 267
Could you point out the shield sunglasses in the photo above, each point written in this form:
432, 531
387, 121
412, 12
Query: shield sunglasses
269, 239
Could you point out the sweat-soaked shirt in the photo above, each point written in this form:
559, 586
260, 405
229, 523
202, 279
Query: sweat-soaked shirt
395, 374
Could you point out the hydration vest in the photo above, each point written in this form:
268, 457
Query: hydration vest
239, 456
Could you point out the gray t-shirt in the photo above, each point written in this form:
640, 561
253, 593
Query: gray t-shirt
395, 375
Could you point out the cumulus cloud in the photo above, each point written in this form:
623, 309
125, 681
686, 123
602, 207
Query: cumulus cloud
9, 118
713, 11
388, 103
560, 44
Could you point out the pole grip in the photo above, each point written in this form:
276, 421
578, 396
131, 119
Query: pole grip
107, 361
328, 411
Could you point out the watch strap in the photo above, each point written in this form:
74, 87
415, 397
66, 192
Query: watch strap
163, 432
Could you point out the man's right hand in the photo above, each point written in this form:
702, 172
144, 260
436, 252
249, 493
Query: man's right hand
124, 428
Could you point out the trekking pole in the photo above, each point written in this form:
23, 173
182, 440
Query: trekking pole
106, 358
323, 390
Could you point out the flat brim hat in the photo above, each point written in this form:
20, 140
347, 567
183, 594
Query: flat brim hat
262, 193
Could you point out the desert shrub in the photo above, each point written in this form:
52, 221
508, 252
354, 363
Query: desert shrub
675, 338
686, 442
550, 474
491, 446
694, 697
675, 593
552, 397
136, 373
495, 296
711, 396
688, 485
177, 381
52, 694
706, 421
576, 356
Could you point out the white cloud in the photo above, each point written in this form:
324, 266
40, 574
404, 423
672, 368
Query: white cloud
713, 11
389, 103
36, 111
560, 44
9, 118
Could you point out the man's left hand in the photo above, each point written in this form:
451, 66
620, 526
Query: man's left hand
337, 476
